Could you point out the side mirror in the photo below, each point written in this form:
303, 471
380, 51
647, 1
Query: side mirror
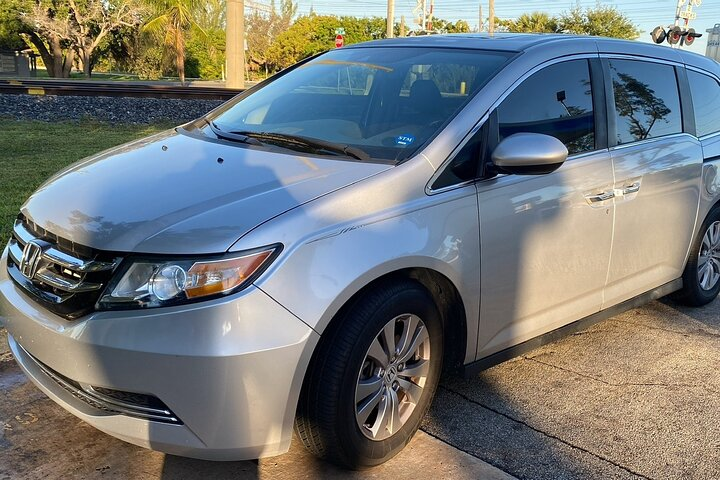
529, 154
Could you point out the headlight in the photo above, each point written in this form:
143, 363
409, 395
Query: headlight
159, 282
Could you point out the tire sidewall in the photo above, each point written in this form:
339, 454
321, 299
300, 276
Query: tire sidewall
363, 451
695, 293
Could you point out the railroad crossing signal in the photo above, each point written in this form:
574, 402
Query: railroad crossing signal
675, 35
680, 33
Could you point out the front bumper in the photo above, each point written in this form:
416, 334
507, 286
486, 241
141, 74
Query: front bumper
231, 370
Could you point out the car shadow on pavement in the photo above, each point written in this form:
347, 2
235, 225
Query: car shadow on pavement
631, 397
706, 316
188, 468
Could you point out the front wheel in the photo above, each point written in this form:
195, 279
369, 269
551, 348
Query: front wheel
701, 279
373, 377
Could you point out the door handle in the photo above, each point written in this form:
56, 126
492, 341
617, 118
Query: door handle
600, 197
634, 188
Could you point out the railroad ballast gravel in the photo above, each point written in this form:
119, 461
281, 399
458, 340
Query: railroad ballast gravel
53, 108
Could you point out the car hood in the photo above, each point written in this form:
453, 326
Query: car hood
175, 193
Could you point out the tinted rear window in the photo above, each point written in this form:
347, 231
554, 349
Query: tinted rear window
647, 103
706, 103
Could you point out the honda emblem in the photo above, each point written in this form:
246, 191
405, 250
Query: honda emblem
30, 259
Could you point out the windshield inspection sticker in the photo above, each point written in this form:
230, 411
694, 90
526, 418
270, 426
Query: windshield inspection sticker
404, 140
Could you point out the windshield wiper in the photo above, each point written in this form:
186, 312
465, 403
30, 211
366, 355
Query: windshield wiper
234, 136
285, 139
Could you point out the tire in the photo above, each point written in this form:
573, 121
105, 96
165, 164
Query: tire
352, 379
701, 278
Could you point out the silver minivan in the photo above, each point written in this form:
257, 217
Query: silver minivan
312, 254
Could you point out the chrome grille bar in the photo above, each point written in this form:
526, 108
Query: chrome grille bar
21, 233
53, 255
15, 251
75, 264
65, 284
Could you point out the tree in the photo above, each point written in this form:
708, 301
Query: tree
262, 28
535, 22
60, 29
170, 22
313, 34
635, 100
443, 26
81, 24
602, 21
205, 54
16, 29
11, 26
211, 15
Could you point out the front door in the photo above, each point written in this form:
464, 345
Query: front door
546, 240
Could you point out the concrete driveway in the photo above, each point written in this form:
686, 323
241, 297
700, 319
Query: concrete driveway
636, 396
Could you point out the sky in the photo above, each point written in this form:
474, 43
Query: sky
647, 14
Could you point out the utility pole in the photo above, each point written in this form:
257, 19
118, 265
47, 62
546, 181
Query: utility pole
403, 28
235, 48
491, 18
480, 20
390, 19
419, 10
430, 16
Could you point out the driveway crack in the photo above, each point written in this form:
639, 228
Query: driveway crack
546, 434
621, 384
464, 451
700, 332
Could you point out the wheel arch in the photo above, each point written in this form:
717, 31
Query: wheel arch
446, 297
703, 215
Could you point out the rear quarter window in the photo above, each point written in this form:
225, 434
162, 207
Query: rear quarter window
705, 93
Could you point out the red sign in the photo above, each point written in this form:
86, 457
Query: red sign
339, 41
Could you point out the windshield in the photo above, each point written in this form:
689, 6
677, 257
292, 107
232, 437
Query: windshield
385, 102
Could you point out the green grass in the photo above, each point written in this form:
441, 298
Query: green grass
30, 152
107, 76
43, 74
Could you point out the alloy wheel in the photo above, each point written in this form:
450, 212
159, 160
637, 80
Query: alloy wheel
392, 377
708, 265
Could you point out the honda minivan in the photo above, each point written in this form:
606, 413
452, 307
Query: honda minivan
312, 254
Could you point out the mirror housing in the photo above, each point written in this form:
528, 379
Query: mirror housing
529, 154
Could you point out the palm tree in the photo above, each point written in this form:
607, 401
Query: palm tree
170, 21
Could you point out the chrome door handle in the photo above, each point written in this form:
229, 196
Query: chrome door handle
634, 188
600, 197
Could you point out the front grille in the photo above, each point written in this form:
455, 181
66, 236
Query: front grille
66, 278
114, 402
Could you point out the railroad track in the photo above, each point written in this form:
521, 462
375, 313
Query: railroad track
89, 88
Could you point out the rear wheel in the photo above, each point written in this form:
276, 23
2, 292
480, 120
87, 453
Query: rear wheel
701, 279
373, 377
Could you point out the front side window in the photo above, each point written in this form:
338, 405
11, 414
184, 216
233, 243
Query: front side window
647, 103
705, 93
555, 101
385, 101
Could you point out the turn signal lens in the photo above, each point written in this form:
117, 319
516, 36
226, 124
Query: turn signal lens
211, 278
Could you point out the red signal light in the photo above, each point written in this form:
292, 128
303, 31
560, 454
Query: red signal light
674, 35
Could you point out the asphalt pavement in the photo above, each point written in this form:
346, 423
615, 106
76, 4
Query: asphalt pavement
636, 396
